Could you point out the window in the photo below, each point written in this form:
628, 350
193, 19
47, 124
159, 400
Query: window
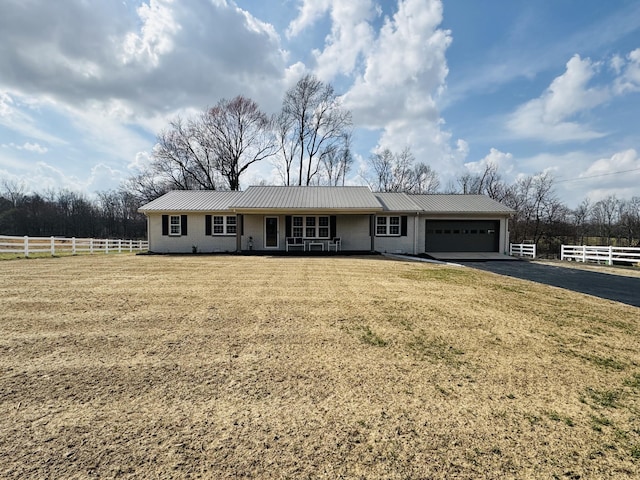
298, 230
224, 225
310, 227
386, 226
174, 225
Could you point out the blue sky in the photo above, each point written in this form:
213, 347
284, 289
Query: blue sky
546, 85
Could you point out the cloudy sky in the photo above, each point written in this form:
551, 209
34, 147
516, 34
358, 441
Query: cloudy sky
554, 85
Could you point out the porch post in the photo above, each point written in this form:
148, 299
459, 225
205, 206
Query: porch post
372, 229
239, 232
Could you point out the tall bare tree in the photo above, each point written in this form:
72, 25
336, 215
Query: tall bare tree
239, 134
210, 151
185, 159
312, 124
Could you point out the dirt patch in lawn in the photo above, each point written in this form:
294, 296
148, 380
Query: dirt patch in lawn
260, 367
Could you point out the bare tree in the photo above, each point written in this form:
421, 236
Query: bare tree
13, 191
145, 186
534, 200
397, 172
488, 182
336, 163
184, 158
630, 220
312, 125
580, 220
287, 146
239, 134
605, 215
426, 179
208, 152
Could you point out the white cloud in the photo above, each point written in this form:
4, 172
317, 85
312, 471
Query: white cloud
103, 177
155, 37
163, 56
404, 72
616, 63
629, 70
503, 160
548, 117
583, 174
625, 161
30, 147
309, 12
351, 35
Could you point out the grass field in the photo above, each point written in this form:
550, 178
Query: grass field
257, 367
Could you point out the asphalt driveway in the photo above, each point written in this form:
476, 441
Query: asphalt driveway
603, 285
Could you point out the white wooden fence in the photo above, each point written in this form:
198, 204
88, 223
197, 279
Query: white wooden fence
599, 254
57, 245
522, 250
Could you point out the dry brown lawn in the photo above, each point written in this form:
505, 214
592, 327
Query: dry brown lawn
625, 271
257, 367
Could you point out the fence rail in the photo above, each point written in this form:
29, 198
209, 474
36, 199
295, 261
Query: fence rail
58, 245
522, 250
600, 254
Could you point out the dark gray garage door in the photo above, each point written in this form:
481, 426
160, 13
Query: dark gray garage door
462, 236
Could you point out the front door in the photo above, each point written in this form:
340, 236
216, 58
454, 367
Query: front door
271, 232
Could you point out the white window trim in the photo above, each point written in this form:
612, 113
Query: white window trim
225, 225
316, 227
179, 224
387, 226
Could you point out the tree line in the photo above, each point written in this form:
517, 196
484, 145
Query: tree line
111, 214
309, 143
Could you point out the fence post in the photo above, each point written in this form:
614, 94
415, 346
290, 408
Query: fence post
119, 245
610, 262
106, 245
73, 245
26, 246
91, 246
584, 254
53, 246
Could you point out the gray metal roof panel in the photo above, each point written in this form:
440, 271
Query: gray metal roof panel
397, 202
192, 201
460, 204
307, 198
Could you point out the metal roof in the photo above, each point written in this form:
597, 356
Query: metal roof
192, 201
307, 198
397, 202
356, 199
460, 204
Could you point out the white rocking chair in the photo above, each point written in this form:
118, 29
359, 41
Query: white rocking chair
334, 243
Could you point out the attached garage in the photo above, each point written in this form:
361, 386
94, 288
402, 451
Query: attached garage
462, 236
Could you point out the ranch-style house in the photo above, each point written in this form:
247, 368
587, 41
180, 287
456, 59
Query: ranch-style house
347, 219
